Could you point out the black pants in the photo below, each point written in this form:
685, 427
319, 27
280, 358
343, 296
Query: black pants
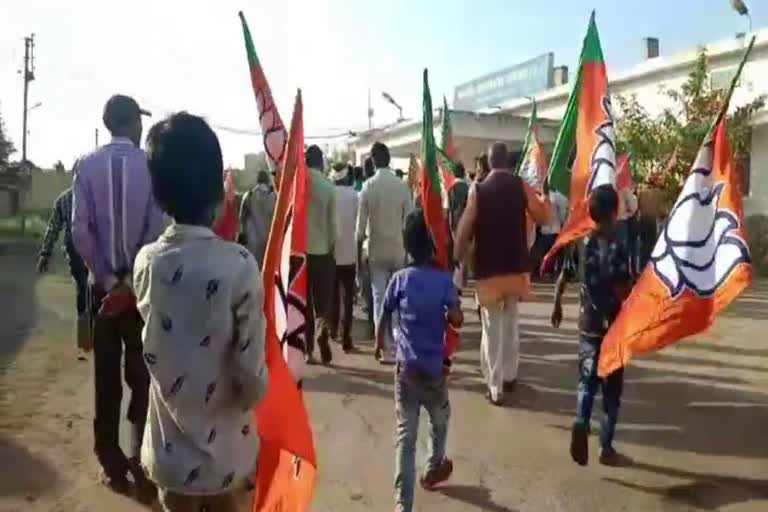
79, 273
345, 286
110, 335
321, 269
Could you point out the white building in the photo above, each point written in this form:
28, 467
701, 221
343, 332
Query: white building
647, 80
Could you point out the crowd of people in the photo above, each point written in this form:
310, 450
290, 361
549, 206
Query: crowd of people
184, 307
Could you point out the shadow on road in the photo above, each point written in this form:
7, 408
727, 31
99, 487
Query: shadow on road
23, 473
704, 491
18, 304
473, 495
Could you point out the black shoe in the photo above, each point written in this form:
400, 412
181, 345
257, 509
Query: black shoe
509, 385
579, 446
310, 359
325, 353
611, 458
347, 346
146, 492
117, 483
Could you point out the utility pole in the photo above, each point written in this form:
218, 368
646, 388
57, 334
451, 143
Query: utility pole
97, 137
370, 111
29, 75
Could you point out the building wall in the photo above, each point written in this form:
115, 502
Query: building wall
44, 189
757, 201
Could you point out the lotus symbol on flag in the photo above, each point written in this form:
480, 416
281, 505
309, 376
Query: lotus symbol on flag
603, 164
700, 245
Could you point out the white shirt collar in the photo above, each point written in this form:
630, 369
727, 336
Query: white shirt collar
121, 140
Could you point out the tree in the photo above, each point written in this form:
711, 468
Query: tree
680, 130
6, 146
59, 167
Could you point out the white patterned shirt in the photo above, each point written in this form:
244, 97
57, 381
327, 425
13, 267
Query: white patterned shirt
202, 302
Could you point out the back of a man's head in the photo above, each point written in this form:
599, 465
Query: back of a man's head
380, 155
186, 167
314, 157
498, 156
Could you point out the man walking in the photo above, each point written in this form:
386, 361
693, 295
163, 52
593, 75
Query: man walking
496, 218
346, 256
384, 203
115, 215
321, 265
61, 220
256, 212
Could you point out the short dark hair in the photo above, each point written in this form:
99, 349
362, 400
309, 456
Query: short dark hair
498, 157
459, 170
314, 157
416, 238
186, 168
603, 204
380, 155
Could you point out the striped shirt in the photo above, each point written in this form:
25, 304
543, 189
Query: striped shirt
61, 220
114, 213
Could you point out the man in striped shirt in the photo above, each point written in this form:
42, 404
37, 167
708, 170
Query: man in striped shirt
61, 220
114, 215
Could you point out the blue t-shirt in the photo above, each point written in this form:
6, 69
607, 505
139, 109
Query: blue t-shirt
421, 296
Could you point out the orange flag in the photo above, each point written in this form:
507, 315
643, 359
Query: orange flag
595, 162
226, 224
623, 174
286, 470
701, 261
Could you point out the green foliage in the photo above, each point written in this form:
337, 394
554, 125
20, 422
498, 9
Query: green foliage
6, 146
681, 128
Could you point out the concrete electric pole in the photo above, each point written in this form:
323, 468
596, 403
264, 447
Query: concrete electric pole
29, 75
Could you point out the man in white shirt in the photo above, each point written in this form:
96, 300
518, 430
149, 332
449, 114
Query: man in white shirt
346, 255
384, 203
548, 232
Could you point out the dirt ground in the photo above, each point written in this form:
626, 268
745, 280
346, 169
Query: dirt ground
694, 418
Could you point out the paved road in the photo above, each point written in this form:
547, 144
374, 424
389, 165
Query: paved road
694, 419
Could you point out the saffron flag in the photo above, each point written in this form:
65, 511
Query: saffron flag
272, 127
431, 200
624, 179
286, 470
589, 127
532, 167
294, 282
448, 152
701, 261
226, 224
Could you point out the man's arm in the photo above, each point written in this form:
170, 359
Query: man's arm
52, 233
538, 205
466, 230
557, 305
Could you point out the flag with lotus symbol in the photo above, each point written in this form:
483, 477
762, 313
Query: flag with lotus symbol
588, 127
701, 261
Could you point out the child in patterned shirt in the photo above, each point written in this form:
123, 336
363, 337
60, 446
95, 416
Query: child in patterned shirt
201, 299
605, 281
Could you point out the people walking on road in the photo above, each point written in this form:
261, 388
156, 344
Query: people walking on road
321, 264
426, 301
605, 280
114, 216
457, 203
61, 220
256, 211
495, 218
202, 300
384, 203
346, 257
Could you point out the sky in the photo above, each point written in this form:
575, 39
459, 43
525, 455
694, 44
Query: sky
189, 55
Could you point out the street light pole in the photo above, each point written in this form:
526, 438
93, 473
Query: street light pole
29, 75
388, 97
741, 7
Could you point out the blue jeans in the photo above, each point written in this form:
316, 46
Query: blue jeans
380, 277
412, 391
589, 354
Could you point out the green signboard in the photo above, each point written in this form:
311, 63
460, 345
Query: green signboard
524, 79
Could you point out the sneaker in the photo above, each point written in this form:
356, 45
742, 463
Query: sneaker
438, 475
497, 401
611, 458
509, 385
579, 446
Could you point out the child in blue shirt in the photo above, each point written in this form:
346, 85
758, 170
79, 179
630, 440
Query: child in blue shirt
425, 300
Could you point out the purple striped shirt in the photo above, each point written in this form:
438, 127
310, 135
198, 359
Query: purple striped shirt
114, 213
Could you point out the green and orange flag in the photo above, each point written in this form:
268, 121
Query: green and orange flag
432, 184
700, 263
448, 152
533, 167
587, 129
286, 470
